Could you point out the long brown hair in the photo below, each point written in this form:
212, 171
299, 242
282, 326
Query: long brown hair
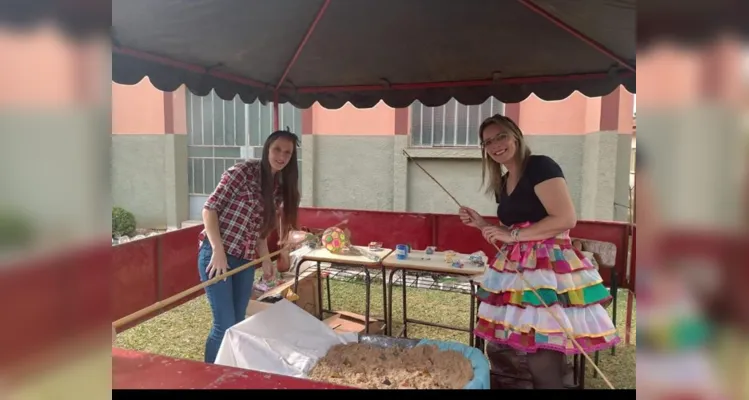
289, 180
496, 179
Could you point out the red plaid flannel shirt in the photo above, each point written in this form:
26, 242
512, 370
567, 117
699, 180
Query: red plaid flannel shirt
238, 202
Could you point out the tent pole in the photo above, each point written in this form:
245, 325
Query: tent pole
301, 44
275, 111
574, 32
291, 63
189, 67
528, 80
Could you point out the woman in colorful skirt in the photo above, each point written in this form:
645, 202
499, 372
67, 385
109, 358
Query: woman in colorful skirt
536, 214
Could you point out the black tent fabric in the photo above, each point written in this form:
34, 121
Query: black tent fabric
366, 51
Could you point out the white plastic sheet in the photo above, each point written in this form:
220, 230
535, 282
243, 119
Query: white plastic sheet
282, 339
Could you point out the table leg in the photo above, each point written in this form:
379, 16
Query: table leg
367, 302
575, 371
390, 303
405, 318
628, 323
615, 298
319, 290
296, 277
472, 322
385, 300
327, 291
597, 360
479, 342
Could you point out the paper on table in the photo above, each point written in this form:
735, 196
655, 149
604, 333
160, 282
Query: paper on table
282, 339
297, 257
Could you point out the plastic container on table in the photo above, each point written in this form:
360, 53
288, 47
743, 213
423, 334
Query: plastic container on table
481, 369
401, 252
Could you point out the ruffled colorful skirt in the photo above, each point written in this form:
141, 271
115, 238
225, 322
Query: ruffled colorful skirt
510, 313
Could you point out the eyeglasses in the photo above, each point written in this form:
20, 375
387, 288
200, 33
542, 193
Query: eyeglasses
499, 138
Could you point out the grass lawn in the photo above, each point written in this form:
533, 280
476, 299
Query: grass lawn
181, 332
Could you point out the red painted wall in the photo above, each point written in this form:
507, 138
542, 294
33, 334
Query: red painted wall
155, 268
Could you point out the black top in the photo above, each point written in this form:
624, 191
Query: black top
523, 205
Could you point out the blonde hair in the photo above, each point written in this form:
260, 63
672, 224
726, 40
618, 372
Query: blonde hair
496, 178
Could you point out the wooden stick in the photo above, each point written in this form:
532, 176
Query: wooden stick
433, 178
168, 301
171, 300
525, 281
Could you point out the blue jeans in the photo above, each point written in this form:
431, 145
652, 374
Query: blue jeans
228, 299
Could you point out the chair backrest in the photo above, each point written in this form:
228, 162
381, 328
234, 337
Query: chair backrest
605, 252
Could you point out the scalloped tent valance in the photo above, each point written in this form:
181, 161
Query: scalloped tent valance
366, 51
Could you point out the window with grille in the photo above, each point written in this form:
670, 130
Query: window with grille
222, 133
450, 125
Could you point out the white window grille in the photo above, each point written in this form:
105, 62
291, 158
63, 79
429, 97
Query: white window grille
222, 133
450, 125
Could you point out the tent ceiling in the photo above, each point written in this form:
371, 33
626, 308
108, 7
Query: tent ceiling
365, 51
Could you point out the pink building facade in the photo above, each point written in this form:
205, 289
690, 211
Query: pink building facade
169, 150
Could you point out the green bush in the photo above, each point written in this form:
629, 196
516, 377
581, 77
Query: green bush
16, 230
123, 222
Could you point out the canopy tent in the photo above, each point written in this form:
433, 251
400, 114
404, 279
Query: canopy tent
366, 51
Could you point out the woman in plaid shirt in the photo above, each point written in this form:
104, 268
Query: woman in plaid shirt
252, 199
